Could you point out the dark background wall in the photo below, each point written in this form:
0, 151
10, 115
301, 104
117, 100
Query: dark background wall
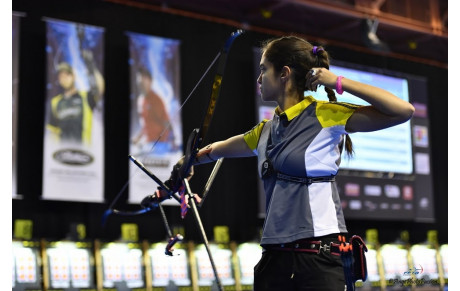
233, 198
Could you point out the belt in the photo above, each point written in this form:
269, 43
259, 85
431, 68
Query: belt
305, 180
306, 247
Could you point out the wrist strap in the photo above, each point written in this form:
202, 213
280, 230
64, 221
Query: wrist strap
338, 85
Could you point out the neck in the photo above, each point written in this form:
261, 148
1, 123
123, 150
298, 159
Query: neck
288, 100
289, 96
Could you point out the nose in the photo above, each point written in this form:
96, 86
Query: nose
259, 79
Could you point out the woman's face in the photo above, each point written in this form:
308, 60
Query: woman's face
269, 81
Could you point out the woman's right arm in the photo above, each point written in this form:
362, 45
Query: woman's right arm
233, 147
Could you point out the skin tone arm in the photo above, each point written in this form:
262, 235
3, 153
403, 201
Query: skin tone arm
230, 148
233, 147
386, 109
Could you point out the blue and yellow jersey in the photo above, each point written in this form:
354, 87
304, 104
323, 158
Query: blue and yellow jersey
71, 118
304, 142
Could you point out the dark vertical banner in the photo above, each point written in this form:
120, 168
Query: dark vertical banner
156, 126
73, 158
15, 66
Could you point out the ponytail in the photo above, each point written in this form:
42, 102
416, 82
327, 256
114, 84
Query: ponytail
348, 146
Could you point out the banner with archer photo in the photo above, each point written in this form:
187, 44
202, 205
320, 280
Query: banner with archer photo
156, 126
73, 154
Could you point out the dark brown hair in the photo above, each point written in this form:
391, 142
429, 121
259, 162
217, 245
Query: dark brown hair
299, 55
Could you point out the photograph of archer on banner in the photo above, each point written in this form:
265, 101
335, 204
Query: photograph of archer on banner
73, 155
155, 121
79, 85
156, 126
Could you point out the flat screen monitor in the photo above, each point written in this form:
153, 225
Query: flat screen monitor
26, 267
222, 258
389, 177
395, 263
167, 269
388, 150
70, 264
122, 265
424, 264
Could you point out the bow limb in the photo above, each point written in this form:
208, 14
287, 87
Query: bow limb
197, 136
217, 84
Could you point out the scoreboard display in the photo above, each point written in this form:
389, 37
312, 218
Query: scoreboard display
223, 262
168, 270
70, 265
122, 265
26, 269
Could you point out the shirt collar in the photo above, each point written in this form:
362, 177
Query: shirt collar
295, 110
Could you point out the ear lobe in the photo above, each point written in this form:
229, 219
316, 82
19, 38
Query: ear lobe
285, 72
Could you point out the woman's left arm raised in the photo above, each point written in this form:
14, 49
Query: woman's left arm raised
385, 109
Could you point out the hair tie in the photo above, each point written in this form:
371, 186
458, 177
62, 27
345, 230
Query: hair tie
316, 50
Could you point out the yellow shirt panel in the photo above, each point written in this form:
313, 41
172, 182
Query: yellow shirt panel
332, 114
252, 137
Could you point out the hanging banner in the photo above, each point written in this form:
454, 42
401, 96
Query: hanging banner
15, 77
73, 157
156, 126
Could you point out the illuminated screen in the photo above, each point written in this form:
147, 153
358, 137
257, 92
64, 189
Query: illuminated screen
122, 265
25, 267
424, 262
388, 150
395, 264
389, 177
70, 265
169, 268
222, 260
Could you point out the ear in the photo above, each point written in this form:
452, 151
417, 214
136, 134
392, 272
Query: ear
285, 73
